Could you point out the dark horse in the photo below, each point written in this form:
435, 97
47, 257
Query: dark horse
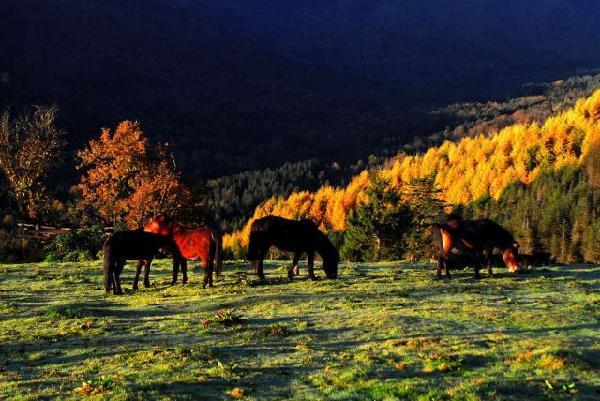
132, 245
205, 244
478, 236
294, 236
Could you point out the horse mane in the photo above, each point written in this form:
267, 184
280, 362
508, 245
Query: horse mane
454, 216
325, 247
502, 233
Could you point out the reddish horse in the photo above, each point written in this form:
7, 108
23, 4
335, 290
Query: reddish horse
479, 236
203, 243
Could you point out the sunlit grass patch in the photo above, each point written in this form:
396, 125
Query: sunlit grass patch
381, 332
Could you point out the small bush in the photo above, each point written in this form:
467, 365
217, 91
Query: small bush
64, 312
228, 318
275, 330
14, 249
75, 246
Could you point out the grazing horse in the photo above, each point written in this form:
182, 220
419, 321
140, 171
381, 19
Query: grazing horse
479, 236
294, 236
131, 245
205, 244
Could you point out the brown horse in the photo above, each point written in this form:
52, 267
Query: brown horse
196, 244
478, 236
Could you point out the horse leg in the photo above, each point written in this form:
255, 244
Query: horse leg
293, 269
446, 268
176, 263
138, 271
311, 265
260, 272
108, 277
208, 274
259, 264
488, 261
478, 264
117, 277
296, 269
147, 273
184, 270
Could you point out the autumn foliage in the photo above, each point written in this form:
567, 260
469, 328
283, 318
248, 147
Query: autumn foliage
126, 179
30, 147
464, 171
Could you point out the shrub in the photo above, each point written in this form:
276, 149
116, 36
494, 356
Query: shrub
14, 249
75, 246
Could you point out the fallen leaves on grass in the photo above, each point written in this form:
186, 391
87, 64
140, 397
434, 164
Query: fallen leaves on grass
94, 387
551, 362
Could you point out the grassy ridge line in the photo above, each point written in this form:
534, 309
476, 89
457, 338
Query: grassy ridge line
382, 332
465, 171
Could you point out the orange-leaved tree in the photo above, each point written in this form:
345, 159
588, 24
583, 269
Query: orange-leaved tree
126, 179
30, 147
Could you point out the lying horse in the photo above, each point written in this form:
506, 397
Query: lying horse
294, 236
205, 244
478, 236
131, 245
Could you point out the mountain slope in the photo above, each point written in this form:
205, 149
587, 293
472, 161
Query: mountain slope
472, 169
442, 48
224, 101
245, 85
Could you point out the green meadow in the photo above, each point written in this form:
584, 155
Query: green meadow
383, 331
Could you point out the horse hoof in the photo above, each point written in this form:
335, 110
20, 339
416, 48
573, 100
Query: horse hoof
134, 288
146, 285
312, 278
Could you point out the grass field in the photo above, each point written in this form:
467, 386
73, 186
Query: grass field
380, 332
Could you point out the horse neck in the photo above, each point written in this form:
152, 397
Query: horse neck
505, 239
323, 246
177, 230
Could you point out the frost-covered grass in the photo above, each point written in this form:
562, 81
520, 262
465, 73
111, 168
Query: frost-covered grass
381, 332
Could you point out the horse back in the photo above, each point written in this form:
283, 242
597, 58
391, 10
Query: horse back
286, 234
194, 244
136, 244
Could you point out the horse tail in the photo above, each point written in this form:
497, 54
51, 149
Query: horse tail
253, 245
218, 237
107, 266
438, 241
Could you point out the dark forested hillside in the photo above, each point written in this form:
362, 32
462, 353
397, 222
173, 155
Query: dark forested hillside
246, 85
233, 198
446, 49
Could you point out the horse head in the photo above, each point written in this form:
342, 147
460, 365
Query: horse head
330, 256
161, 224
510, 257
